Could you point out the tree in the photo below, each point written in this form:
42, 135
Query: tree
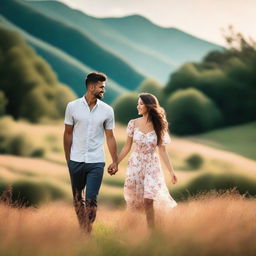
191, 112
125, 107
227, 77
28, 82
151, 86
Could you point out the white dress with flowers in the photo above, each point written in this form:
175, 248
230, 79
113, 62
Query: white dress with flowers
144, 176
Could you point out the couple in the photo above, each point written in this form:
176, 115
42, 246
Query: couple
86, 120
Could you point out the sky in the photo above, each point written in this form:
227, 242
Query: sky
201, 18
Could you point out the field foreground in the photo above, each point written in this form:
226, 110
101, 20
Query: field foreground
211, 224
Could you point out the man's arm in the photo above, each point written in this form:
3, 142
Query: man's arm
67, 140
111, 142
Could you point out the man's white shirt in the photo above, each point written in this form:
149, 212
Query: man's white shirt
88, 132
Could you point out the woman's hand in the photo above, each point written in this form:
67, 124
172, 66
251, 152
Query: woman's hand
174, 178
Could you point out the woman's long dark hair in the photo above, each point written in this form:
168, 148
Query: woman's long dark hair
156, 115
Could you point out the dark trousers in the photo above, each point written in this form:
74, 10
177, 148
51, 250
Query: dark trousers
88, 177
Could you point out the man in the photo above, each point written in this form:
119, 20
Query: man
86, 119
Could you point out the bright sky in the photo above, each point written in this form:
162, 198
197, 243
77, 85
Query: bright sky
202, 18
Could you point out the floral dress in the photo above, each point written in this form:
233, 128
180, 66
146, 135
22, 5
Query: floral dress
144, 176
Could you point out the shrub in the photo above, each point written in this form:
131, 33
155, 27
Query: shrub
27, 193
125, 107
63, 95
194, 161
39, 152
6, 124
20, 145
191, 112
151, 86
221, 182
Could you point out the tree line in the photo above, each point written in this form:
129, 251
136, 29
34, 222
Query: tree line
219, 91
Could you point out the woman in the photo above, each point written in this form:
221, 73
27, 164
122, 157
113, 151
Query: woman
144, 183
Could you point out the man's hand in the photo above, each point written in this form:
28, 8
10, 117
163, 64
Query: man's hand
113, 168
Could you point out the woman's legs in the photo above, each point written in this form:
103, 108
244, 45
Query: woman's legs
149, 209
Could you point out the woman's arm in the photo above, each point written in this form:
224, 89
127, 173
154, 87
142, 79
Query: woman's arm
125, 150
163, 154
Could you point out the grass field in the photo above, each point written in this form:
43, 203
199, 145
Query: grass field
208, 225
238, 139
52, 170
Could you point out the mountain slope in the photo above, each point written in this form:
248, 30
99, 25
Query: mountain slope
146, 61
72, 41
153, 50
69, 70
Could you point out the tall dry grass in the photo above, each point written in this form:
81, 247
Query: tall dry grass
211, 224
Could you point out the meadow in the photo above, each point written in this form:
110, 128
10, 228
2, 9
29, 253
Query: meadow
212, 223
51, 173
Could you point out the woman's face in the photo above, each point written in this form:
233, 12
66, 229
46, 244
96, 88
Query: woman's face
142, 109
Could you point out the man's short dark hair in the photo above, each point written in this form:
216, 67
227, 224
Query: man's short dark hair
95, 77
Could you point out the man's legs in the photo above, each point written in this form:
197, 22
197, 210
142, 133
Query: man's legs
93, 183
77, 173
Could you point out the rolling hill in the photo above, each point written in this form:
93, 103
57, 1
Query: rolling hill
239, 139
153, 50
70, 71
72, 41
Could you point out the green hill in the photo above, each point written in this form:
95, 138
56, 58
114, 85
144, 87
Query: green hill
153, 50
72, 41
170, 43
70, 71
240, 139
146, 61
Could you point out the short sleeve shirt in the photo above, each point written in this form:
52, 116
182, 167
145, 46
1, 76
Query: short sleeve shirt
88, 132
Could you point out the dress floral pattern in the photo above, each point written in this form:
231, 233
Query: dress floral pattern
144, 176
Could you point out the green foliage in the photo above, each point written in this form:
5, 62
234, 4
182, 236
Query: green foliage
151, 86
28, 193
28, 81
208, 182
190, 112
39, 152
6, 133
17, 143
227, 77
63, 36
3, 103
20, 145
63, 95
194, 161
218, 182
125, 107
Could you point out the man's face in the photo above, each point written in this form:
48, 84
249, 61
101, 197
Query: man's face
99, 90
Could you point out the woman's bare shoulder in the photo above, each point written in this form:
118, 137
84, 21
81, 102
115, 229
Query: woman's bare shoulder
137, 121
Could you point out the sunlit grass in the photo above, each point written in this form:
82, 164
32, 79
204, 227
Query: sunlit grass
211, 224
240, 139
52, 167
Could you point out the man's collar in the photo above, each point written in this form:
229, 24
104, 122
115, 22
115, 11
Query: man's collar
86, 103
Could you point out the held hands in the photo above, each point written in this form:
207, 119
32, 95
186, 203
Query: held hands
113, 168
